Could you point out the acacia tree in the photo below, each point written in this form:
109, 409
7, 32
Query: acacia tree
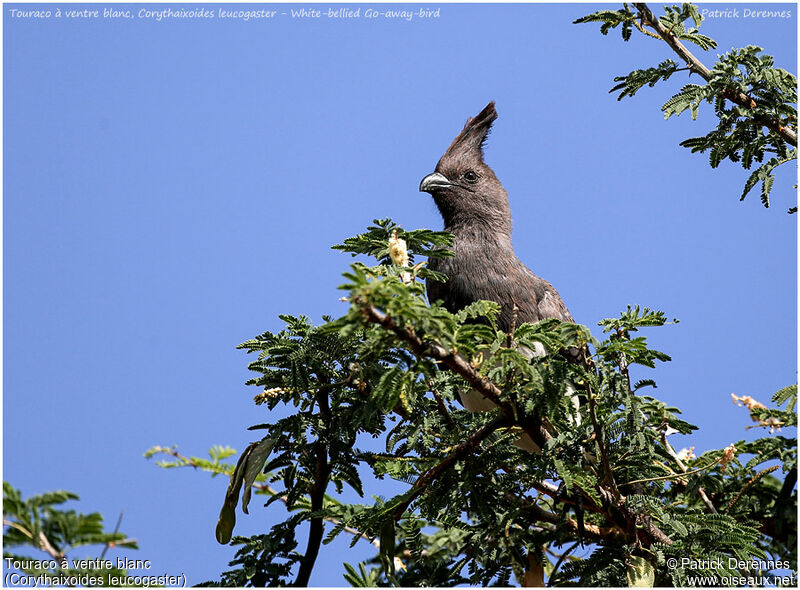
609, 501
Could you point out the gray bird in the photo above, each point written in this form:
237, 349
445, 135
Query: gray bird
474, 207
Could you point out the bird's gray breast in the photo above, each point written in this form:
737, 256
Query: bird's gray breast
461, 287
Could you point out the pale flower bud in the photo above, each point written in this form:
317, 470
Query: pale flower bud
398, 250
772, 423
728, 453
747, 402
268, 394
686, 454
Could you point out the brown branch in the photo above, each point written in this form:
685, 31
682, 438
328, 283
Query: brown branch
546, 488
459, 365
591, 531
622, 517
653, 532
649, 19
615, 509
534, 575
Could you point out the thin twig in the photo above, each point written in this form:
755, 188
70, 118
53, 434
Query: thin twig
116, 530
639, 25
754, 479
561, 559
442, 408
19, 527
674, 476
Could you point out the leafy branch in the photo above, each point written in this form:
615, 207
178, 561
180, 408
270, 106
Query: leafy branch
40, 523
762, 96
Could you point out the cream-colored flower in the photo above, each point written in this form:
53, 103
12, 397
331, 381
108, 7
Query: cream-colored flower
728, 453
398, 250
268, 394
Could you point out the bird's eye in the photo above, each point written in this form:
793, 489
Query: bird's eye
470, 176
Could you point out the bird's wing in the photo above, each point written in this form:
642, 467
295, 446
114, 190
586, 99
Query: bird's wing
535, 298
552, 306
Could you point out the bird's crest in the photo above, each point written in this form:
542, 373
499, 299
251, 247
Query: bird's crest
475, 132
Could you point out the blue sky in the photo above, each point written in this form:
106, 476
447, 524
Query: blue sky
171, 186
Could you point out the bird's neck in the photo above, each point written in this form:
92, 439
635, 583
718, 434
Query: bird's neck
476, 220
489, 234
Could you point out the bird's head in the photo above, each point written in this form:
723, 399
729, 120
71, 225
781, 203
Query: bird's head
465, 189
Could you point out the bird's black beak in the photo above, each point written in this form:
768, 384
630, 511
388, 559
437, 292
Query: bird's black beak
434, 182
